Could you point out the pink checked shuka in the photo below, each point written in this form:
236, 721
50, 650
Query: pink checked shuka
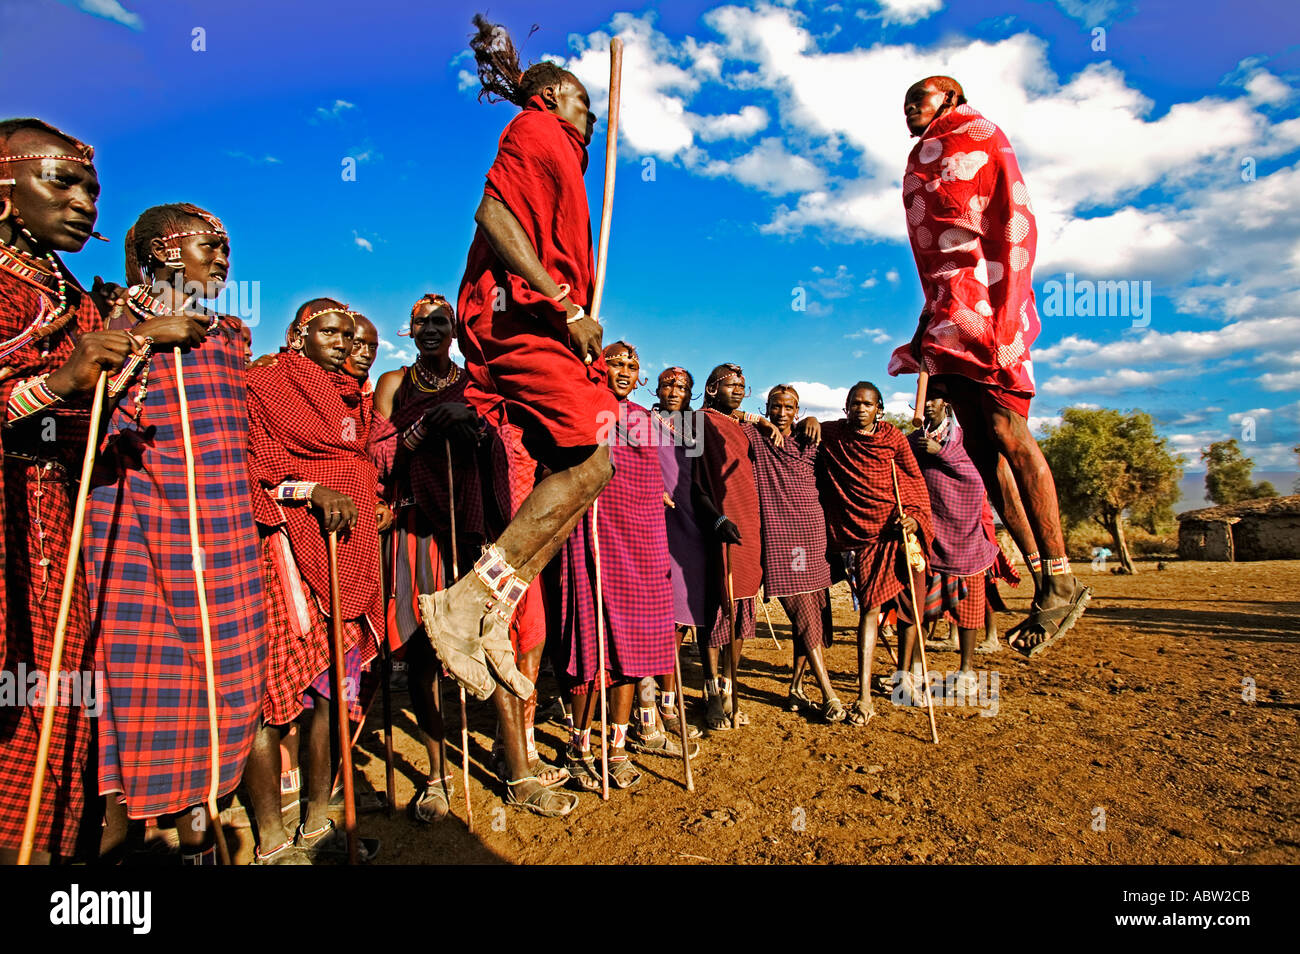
973, 236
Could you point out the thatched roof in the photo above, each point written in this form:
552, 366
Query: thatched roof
1231, 513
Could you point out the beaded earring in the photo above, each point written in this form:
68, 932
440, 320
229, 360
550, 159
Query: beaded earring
173, 260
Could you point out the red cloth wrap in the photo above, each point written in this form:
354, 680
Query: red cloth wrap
857, 488
725, 472
306, 423
973, 236
35, 499
518, 358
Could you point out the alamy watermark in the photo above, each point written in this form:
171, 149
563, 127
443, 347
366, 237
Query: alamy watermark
28, 688
1084, 298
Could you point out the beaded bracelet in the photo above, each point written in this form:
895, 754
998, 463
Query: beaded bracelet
294, 490
30, 397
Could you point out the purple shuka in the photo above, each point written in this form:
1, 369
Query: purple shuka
634, 565
794, 527
960, 546
687, 557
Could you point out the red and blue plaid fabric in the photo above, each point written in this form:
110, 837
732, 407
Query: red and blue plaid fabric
794, 526
635, 578
153, 733
37, 508
957, 500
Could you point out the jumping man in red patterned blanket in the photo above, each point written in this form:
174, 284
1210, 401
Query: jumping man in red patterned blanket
973, 235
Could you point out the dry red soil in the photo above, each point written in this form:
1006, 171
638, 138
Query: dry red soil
1163, 729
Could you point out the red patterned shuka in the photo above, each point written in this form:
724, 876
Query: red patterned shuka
306, 423
153, 731
856, 484
973, 236
41, 464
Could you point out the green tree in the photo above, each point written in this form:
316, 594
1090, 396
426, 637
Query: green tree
1227, 475
901, 421
1106, 465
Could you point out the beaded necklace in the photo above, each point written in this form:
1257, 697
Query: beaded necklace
46, 276
431, 385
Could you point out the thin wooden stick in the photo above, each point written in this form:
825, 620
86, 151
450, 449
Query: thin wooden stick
922, 385
916, 616
464, 720
600, 657
197, 559
390, 776
770, 628
681, 716
61, 625
611, 163
598, 295
341, 701
731, 661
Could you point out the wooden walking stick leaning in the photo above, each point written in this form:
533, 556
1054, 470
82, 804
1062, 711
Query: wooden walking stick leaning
913, 557
731, 618
768, 616
390, 776
598, 293
681, 718
600, 657
61, 625
197, 558
341, 701
464, 720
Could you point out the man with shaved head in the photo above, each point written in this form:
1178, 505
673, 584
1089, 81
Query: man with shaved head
973, 235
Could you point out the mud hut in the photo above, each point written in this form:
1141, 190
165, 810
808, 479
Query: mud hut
1266, 529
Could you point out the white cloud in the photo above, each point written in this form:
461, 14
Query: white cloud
750, 120
264, 161
769, 168
335, 111
362, 243
1286, 381
1091, 13
902, 12
110, 10
389, 350
877, 335
1112, 382
1154, 347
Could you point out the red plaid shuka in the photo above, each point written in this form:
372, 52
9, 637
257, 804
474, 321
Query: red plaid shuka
957, 499
306, 423
973, 235
38, 497
794, 527
636, 583
857, 494
153, 732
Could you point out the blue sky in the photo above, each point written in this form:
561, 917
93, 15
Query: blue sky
761, 152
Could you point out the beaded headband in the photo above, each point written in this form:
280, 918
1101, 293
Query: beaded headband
354, 315
626, 349
213, 231
84, 160
675, 374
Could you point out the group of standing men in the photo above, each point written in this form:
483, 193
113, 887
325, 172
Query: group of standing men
456, 501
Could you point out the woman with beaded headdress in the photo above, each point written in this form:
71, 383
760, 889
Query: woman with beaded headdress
52, 351
426, 404
309, 423
153, 731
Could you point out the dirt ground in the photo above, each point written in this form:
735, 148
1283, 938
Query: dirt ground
1135, 740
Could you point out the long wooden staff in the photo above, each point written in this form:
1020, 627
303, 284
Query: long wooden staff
916, 613
771, 630
598, 294
681, 715
464, 719
341, 701
386, 674
600, 656
197, 559
731, 615
61, 625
